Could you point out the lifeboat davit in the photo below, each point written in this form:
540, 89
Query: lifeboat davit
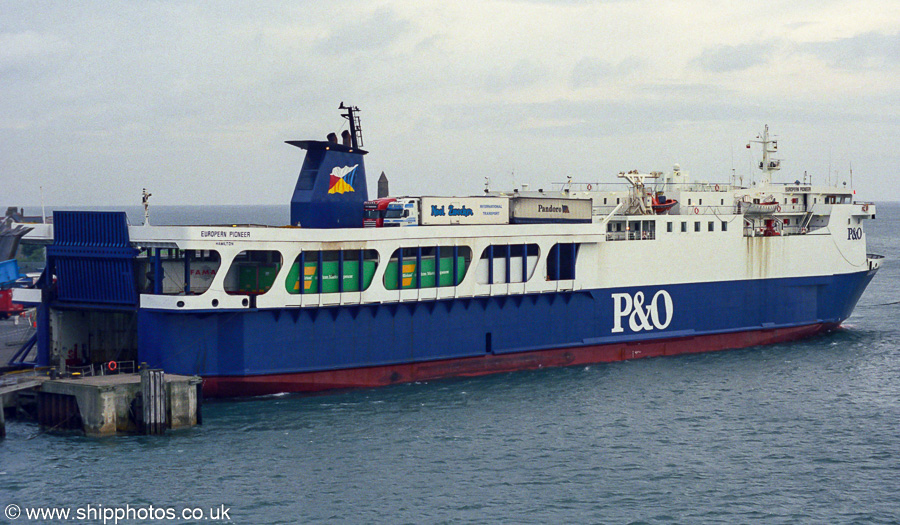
762, 206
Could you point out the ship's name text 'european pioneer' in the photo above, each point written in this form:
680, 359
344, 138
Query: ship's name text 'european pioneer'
231, 234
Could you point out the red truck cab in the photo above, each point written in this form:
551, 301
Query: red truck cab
374, 210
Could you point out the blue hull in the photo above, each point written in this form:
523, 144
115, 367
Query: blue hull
240, 343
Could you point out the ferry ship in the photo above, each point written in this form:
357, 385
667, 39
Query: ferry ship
657, 266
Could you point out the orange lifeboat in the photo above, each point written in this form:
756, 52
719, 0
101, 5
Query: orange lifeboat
661, 204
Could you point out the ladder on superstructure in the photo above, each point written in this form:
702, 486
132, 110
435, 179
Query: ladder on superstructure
355, 128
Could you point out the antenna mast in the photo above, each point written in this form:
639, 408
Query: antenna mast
44, 213
355, 129
768, 165
145, 201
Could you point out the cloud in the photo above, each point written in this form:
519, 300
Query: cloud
869, 50
725, 58
522, 74
175, 91
655, 108
683, 91
378, 31
589, 71
28, 47
863, 51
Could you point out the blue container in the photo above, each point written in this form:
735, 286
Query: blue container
9, 273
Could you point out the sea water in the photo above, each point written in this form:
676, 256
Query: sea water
804, 432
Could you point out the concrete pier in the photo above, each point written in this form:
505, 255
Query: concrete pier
107, 405
10, 387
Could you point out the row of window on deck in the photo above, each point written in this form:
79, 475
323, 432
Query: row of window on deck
253, 272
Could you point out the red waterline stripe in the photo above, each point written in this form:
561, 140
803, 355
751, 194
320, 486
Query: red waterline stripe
256, 385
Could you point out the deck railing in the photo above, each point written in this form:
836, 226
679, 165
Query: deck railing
630, 236
104, 369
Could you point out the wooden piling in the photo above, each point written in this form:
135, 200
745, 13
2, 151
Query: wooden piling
153, 394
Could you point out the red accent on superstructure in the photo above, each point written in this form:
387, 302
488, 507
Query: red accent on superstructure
661, 205
374, 210
224, 386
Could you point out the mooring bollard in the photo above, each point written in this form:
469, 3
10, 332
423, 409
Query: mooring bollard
153, 392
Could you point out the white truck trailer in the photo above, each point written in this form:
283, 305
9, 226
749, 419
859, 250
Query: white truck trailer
430, 211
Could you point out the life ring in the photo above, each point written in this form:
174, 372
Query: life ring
696, 210
112, 365
717, 187
778, 207
589, 187
865, 207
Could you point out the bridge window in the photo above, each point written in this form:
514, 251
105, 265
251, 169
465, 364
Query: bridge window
331, 271
252, 272
165, 271
641, 230
427, 267
561, 261
501, 263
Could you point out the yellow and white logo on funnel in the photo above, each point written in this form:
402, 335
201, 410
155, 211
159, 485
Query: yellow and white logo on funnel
342, 179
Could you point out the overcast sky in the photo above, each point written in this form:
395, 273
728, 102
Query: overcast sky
194, 100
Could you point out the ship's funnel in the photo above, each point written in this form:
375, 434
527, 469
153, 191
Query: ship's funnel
331, 188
